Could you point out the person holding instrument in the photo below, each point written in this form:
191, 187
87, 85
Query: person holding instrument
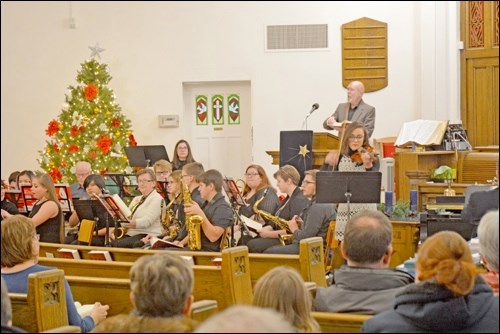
355, 155
355, 110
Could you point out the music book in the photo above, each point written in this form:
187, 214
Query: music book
63, 191
67, 253
251, 224
341, 124
100, 255
422, 132
15, 196
159, 243
84, 310
115, 207
232, 191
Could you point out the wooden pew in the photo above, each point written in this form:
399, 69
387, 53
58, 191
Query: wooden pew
307, 263
228, 284
44, 306
340, 322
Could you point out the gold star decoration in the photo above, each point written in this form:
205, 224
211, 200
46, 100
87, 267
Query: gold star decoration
303, 150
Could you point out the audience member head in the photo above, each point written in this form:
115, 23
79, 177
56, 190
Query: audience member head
284, 290
182, 152
246, 319
13, 179
446, 258
487, 233
368, 240
255, 178
162, 169
24, 178
6, 306
19, 240
43, 187
94, 184
190, 172
355, 136
161, 285
82, 170
355, 92
287, 174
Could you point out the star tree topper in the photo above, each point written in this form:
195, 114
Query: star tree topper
96, 50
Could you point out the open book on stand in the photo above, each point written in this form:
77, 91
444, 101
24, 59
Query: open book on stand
341, 124
116, 207
159, 243
422, 132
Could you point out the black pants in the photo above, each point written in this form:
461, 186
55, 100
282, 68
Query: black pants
127, 241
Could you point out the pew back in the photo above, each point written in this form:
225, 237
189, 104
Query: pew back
44, 306
340, 322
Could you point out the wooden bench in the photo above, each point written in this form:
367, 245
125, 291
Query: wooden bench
340, 322
44, 306
308, 263
228, 284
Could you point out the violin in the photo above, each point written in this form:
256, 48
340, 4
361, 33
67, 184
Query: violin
356, 156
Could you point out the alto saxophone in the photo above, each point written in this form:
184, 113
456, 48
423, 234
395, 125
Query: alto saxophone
171, 224
193, 222
282, 223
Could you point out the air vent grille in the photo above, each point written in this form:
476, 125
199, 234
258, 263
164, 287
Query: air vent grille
300, 36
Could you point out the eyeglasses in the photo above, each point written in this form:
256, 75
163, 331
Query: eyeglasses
182, 148
305, 182
356, 138
251, 174
144, 181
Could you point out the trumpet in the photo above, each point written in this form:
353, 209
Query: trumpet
282, 223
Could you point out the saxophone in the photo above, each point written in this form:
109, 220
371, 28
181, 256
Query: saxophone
282, 223
193, 222
171, 224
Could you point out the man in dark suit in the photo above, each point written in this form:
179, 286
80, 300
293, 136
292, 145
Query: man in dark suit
357, 110
479, 203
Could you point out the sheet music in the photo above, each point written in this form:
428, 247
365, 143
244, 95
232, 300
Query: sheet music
250, 223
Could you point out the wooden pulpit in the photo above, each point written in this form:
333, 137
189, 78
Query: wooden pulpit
323, 142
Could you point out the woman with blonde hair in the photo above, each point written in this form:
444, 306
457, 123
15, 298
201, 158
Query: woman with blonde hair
283, 289
448, 296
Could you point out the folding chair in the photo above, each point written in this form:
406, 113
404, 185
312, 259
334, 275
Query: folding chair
86, 232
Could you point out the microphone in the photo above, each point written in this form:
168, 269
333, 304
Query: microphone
314, 107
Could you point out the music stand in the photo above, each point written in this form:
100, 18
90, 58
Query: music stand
145, 156
126, 183
348, 187
112, 208
93, 210
236, 199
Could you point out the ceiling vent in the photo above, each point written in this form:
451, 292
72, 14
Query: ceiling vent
297, 37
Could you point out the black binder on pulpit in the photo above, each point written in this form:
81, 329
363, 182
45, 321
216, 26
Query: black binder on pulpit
296, 150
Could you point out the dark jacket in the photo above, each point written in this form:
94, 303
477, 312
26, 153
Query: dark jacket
431, 307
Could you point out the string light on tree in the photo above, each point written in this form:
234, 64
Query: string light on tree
90, 127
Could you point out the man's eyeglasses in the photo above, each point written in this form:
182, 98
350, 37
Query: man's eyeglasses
356, 138
251, 174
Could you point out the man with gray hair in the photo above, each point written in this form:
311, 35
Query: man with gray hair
82, 170
365, 285
161, 287
487, 233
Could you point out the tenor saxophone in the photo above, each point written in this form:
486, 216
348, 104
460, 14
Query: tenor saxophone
282, 223
193, 222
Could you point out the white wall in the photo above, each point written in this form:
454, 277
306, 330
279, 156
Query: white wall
153, 47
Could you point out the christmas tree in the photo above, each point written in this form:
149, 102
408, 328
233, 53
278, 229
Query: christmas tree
90, 128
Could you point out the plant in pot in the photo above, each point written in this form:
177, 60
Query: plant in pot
447, 174
400, 210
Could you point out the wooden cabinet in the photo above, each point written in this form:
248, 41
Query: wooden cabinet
427, 192
418, 161
405, 237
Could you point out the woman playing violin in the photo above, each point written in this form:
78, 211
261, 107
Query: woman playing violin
356, 155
